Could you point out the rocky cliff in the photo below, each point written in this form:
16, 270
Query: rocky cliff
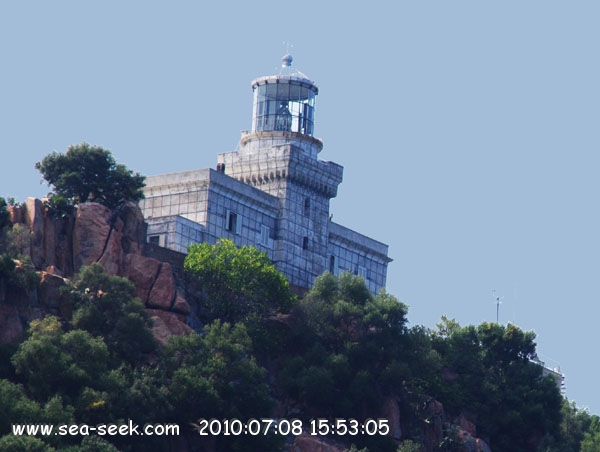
60, 246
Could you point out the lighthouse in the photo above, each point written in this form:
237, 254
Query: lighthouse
272, 192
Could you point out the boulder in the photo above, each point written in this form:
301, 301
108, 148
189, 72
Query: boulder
34, 218
162, 294
141, 271
391, 412
309, 443
90, 234
50, 241
167, 324
481, 445
16, 214
111, 258
472, 444
59, 243
134, 229
434, 424
466, 425
181, 306
467, 440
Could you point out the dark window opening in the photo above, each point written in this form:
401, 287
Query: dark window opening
233, 222
332, 265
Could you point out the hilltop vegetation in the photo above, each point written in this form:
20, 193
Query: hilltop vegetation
88, 173
258, 352
338, 352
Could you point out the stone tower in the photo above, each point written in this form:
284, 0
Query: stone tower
279, 156
272, 193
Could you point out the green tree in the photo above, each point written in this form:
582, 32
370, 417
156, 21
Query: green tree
53, 362
4, 214
92, 443
576, 424
591, 439
14, 443
139, 393
495, 379
89, 173
18, 240
105, 306
343, 352
16, 407
214, 375
239, 285
68, 372
446, 327
353, 448
409, 446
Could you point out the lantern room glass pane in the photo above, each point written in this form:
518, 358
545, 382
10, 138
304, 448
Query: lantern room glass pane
287, 106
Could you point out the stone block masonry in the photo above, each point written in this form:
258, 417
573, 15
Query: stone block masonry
272, 192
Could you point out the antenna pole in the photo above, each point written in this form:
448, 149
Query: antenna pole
497, 309
497, 299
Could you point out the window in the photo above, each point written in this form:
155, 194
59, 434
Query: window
304, 243
333, 265
306, 207
156, 240
233, 222
265, 233
362, 272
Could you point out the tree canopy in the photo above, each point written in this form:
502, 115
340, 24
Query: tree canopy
4, 214
240, 284
490, 373
343, 352
339, 352
215, 375
89, 173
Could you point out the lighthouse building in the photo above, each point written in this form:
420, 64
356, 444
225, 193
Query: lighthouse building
272, 192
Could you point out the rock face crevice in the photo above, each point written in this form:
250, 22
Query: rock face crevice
60, 247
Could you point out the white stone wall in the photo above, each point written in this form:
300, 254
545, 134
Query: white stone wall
184, 194
174, 232
358, 254
280, 200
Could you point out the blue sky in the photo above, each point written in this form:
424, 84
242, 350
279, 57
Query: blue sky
468, 131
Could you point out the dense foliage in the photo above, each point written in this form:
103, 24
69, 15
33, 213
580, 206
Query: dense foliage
4, 214
240, 284
84, 370
490, 373
339, 352
343, 353
89, 173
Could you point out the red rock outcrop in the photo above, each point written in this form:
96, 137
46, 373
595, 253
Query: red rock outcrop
91, 233
142, 272
309, 443
466, 425
436, 422
167, 324
162, 294
391, 412
34, 219
59, 247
